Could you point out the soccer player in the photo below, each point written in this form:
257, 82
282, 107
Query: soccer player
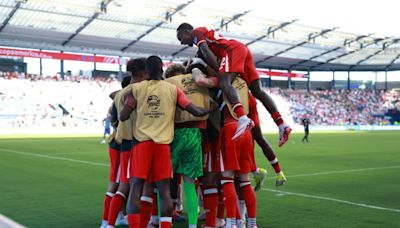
236, 59
186, 151
154, 102
306, 123
124, 137
114, 155
238, 158
107, 128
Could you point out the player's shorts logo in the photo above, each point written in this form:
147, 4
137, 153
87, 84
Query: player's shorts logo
153, 103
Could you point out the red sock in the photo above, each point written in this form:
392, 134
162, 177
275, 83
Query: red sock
115, 207
106, 204
238, 109
210, 199
165, 222
133, 220
247, 193
146, 204
221, 206
229, 197
275, 164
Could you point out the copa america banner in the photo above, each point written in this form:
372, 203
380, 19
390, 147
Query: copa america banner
112, 60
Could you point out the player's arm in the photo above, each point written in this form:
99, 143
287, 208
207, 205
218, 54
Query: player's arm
201, 80
129, 106
210, 58
185, 104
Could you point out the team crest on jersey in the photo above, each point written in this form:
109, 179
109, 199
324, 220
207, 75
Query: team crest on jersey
186, 81
153, 103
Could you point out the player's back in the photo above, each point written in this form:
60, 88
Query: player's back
156, 106
216, 42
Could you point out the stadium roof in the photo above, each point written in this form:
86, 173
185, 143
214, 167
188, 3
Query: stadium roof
129, 28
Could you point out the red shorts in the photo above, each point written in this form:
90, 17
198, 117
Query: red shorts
114, 164
237, 155
239, 59
212, 156
124, 158
151, 161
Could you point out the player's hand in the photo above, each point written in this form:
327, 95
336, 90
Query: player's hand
284, 132
196, 60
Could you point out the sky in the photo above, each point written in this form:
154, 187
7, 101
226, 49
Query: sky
359, 17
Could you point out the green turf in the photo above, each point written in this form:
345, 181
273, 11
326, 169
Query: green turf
43, 191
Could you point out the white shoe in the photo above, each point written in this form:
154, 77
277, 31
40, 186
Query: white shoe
244, 124
103, 141
220, 222
104, 224
241, 223
121, 220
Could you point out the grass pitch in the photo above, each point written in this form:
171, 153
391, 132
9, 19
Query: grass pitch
336, 180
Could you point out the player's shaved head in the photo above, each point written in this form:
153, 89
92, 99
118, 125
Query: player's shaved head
154, 67
184, 26
184, 34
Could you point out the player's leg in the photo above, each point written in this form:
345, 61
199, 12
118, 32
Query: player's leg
140, 167
133, 205
166, 203
246, 192
113, 152
117, 203
253, 81
162, 170
248, 195
210, 181
146, 204
269, 154
230, 159
231, 66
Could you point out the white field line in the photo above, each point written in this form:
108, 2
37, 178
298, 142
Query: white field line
332, 199
53, 157
344, 171
265, 189
8, 223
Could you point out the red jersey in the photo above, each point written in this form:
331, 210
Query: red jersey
216, 42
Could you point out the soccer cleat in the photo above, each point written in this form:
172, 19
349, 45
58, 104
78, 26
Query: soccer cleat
121, 220
240, 223
220, 222
104, 224
280, 179
259, 178
284, 132
244, 124
103, 141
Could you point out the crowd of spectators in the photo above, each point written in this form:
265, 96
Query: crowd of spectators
28, 100
340, 107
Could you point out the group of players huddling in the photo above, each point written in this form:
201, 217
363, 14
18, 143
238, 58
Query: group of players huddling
196, 121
